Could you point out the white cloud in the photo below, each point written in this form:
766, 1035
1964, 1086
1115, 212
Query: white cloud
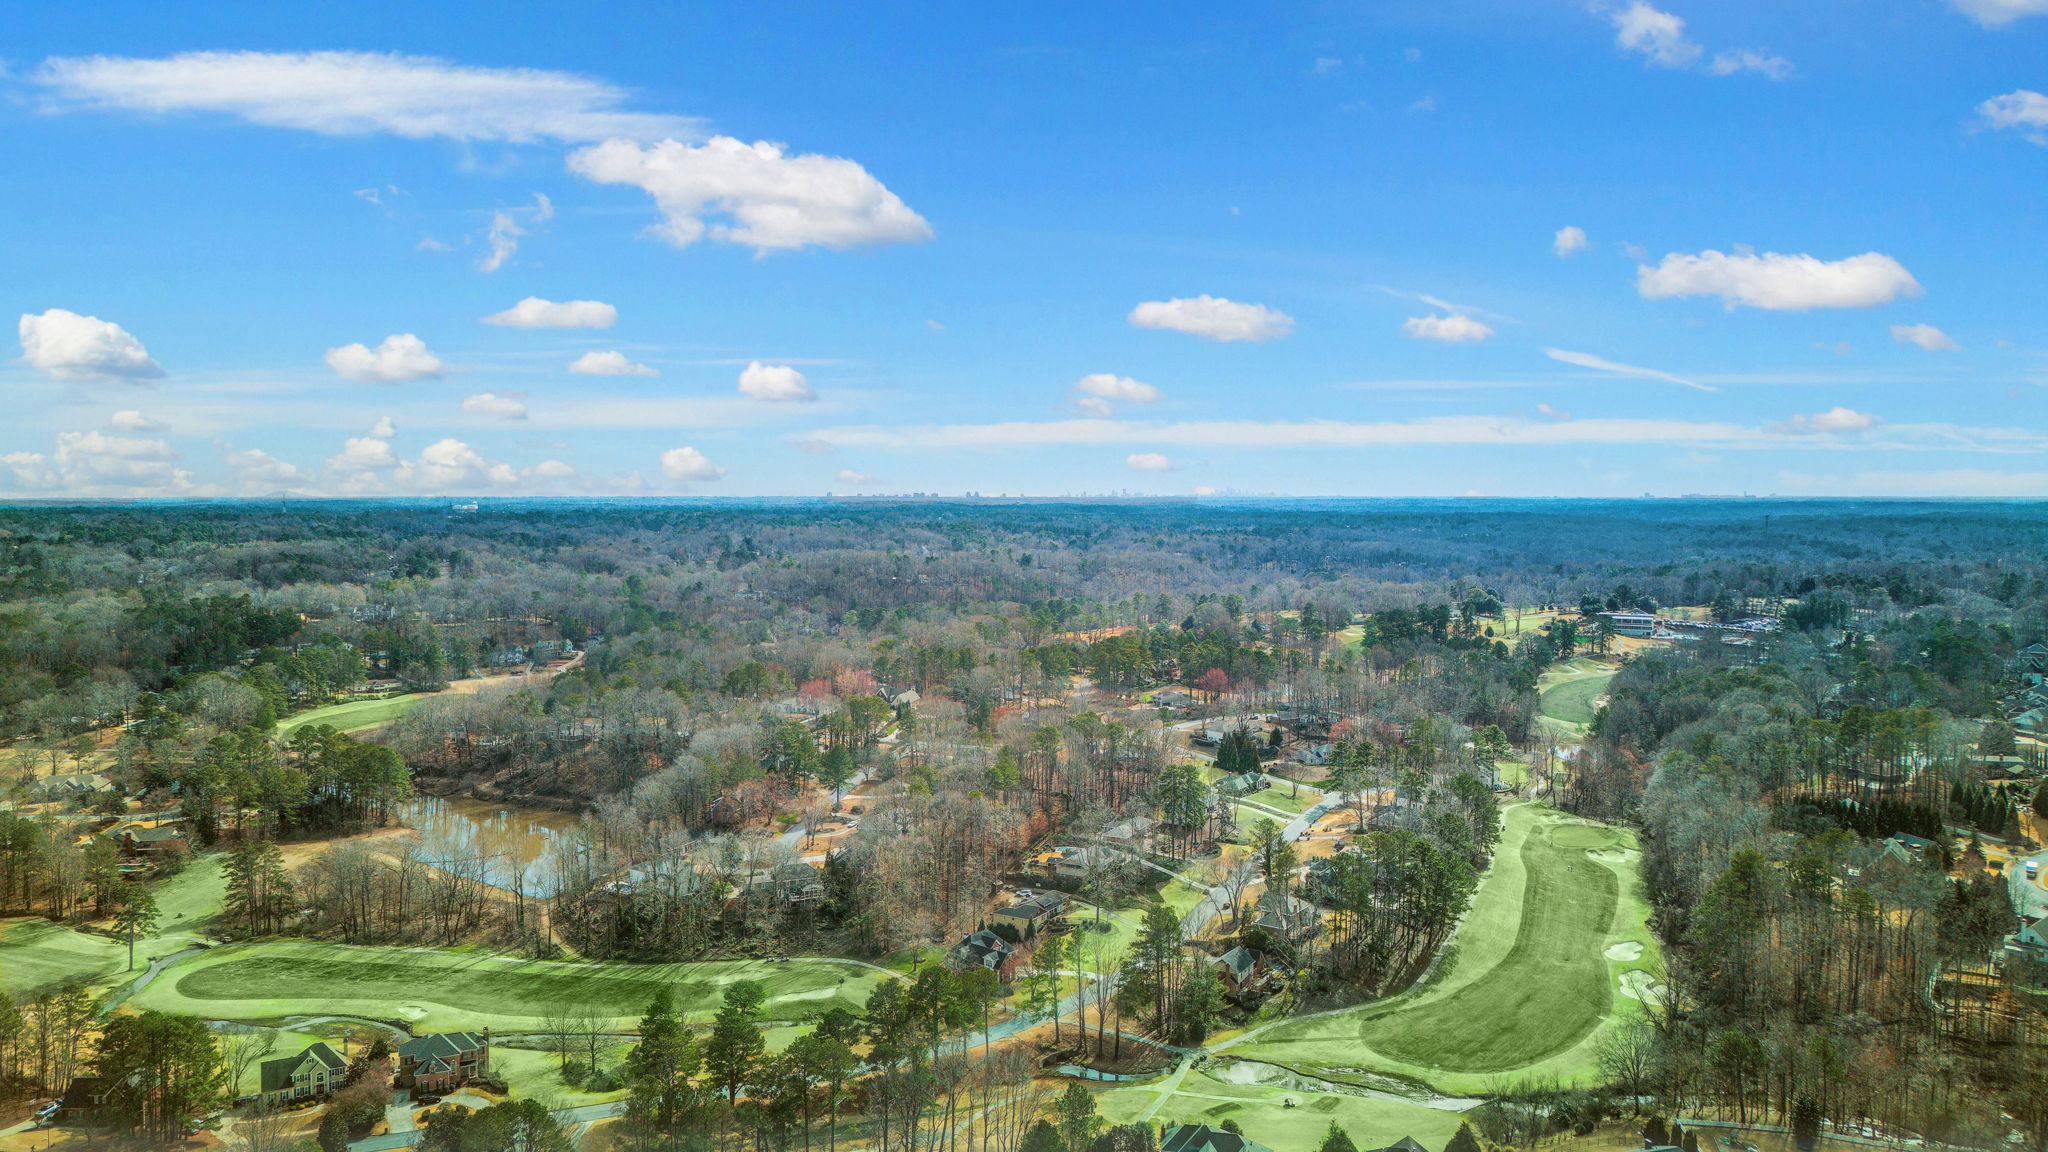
130, 420
1570, 240
1778, 282
1204, 489
534, 312
69, 346
688, 464
94, 463
1553, 413
1148, 462
1213, 318
771, 199
849, 476
777, 383
1100, 392
1659, 37
1998, 13
1837, 419
608, 364
1601, 364
359, 94
1750, 60
1452, 329
2024, 109
257, 471
551, 470
399, 358
503, 238
451, 464
492, 404
383, 429
1656, 35
1926, 337
361, 454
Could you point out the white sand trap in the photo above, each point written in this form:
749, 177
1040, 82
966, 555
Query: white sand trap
1626, 950
1637, 984
810, 994
1610, 855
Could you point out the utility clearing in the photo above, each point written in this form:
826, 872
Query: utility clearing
1550, 955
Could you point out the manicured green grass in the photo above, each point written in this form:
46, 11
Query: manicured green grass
537, 1075
435, 989
37, 954
188, 903
1262, 1112
1530, 987
1572, 700
353, 715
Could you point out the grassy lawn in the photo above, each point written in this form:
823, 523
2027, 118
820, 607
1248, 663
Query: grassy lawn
537, 1075
1262, 1112
1565, 695
1539, 970
433, 989
353, 715
37, 954
188, 903
1277, 797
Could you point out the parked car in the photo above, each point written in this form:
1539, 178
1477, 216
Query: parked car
426, 1101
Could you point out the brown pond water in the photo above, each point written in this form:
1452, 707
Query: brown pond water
519, 843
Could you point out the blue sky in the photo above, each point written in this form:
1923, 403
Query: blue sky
1377, 248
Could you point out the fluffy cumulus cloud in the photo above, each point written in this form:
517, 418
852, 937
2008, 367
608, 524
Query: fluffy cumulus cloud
449, 465
94, 463
1614, 368
1660, 38
1778, 282
1453, 329
359, 94
398, 359
1098, 393
1834, 420
2024, 111
1213, 318
689, 465
1998, 13
1925, 337
360, 455
608, 364
1148, 462
534, 312
130, 420
256, 472
492, 404
1570, 241
756, 195
69, 346
383, 429
849, 476
776, 383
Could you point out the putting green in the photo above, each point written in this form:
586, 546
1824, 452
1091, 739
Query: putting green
1569, 698
1532, 982
433, 989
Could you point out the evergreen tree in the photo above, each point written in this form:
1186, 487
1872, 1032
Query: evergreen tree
1464, 1140
1078, 1121
136, 916
736, 1044
1336, 1140
659, 1072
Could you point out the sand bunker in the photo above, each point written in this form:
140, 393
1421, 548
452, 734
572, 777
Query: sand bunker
1637, 984
1626, 950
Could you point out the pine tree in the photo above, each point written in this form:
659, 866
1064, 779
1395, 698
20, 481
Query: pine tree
1463, 1140
1336, 1140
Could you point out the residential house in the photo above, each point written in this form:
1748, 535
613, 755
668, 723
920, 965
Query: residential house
138, 840
1241, 968
1172, 698
1078, 863
1409, 1144
1395, 814
983, 949
314, 1072
1132, 832
1315, 755
86, 1094
902, 698
1202, 1138
1243, 784
70, 785
1289, 917
798, 883
1030, 917
443, 1061
1907, 849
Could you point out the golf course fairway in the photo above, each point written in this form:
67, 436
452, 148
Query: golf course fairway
1542, 964
432, 989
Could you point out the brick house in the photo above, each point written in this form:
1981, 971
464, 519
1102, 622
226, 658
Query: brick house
443, 1061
